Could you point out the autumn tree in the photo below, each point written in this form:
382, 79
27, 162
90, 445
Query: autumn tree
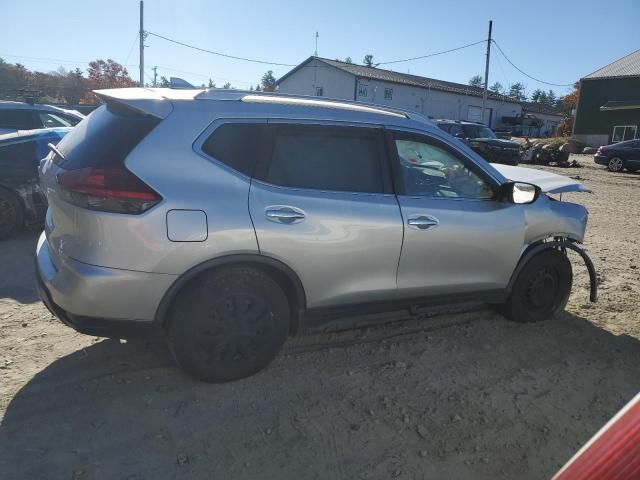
476, 81
268, 82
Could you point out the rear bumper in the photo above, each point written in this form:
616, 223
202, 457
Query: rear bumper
99, 327
601, 159
97, 300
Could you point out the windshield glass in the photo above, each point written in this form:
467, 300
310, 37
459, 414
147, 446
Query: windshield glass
478, 131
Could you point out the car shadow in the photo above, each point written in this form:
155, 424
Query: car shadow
524, 396
17, 282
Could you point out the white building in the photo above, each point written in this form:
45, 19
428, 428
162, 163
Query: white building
430, 97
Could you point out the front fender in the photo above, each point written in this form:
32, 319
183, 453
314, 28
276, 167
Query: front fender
548, 218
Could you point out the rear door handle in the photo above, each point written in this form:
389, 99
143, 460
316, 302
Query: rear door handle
284, 214
422, 222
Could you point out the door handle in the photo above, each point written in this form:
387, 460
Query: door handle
422, 222
283, 214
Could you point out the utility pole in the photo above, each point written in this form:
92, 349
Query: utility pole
316, 43
155, 76
141, 35
486, 72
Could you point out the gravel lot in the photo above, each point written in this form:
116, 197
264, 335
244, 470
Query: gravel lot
461, 394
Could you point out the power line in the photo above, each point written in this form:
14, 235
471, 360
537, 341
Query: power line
131, 49
527, 75
433, 54
220, 54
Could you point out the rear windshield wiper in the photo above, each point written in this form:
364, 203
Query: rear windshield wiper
55, 150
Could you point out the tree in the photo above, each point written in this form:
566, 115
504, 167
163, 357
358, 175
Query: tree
164, 83
348, 60
552, 99
535, 96
476, 81
497, 88
268, 82
226, 86
74, 87
516, 92
258, 87
368, 60
212, 84
567, 105
251, 88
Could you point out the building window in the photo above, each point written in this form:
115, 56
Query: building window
319, 92
362, 90
624, 132
388, 93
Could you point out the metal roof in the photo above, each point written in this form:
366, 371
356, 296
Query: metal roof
418, 81
627, 66
621, 105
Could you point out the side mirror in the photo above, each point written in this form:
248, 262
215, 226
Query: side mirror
519, 192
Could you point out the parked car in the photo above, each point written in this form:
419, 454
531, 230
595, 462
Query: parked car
283, 212
483, 141
21, 200
620, 156
16, 116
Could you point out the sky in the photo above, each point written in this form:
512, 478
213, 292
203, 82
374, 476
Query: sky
554, 41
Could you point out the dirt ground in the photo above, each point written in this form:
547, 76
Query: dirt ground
457, 395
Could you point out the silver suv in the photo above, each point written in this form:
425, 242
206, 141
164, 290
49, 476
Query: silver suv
229, 220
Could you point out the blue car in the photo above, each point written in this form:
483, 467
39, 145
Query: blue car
21, 200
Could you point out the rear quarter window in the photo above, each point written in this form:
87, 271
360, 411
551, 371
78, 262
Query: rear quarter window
104, 138
237, 145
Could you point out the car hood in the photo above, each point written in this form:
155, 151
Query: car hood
496, 142
548, 182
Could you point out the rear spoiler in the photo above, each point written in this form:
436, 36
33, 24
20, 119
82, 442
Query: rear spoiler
141, 100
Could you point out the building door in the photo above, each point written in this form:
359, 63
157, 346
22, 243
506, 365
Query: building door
474, 114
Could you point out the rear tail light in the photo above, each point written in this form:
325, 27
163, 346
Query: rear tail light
109, 189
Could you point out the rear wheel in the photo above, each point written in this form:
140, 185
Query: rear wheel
615, 164
11, 214
541, 289
228, 324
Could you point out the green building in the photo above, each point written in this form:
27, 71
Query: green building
609, 104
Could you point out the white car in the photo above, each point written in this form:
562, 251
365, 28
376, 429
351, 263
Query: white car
26, 116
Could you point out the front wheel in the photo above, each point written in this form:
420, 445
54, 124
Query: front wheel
615, 164
541, 289
228, 324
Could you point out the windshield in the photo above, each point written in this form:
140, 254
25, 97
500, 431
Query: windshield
478, 131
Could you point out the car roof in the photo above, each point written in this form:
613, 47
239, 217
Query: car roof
28, 135
149, 100
11, 105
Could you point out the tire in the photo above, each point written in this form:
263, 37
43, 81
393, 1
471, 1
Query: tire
615, 164
11, 214
228, 324
541, 289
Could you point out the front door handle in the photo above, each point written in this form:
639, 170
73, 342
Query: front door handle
422, 222
284, 214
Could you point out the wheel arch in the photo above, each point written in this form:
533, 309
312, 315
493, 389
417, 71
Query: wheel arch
284, 275
558, 243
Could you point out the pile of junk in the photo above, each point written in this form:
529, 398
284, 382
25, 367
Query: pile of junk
551, 151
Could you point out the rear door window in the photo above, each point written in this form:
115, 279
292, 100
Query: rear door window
18, 160
329, 158
14, 119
